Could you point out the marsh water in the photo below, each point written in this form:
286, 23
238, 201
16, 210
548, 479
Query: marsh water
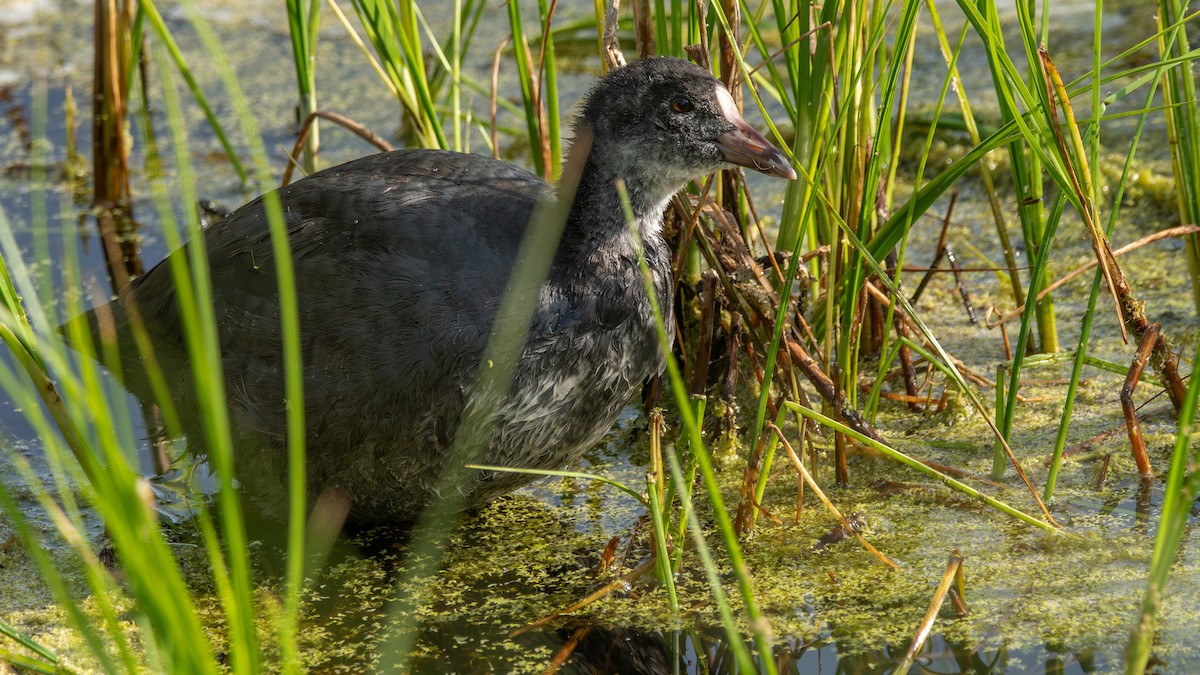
1038, 602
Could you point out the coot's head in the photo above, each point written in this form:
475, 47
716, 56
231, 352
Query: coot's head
667, 120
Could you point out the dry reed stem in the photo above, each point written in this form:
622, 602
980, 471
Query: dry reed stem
1084, 192
598, 594
613, 57
1136, 442
560, 657
825, 500
953, 572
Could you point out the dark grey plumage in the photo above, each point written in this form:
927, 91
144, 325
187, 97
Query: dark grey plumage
401, 260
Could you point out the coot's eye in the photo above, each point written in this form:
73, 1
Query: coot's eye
681, 104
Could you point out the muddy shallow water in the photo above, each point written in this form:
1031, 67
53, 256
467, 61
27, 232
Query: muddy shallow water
1053, 603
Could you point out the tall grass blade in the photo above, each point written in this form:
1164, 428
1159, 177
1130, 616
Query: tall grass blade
293, 392
302, 26
530, 83
759, 625
164, 35
423, 558
194, 288
1183, 127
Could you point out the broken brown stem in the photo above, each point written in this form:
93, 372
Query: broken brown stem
708, 304
1130, 311
560, 657
358, 129
825, 387
906, 366
1137, 443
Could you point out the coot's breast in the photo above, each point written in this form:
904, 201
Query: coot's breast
592, 344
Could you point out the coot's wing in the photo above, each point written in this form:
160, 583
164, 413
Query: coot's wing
400, 261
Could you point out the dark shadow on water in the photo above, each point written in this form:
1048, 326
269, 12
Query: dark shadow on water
588, 650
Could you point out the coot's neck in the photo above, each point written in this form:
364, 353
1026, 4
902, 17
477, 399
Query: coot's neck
597, 260
597, 220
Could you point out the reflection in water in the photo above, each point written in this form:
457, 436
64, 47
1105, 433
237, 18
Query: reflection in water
605, 651
591, 650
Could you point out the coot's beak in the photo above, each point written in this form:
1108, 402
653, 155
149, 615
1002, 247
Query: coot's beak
744, 146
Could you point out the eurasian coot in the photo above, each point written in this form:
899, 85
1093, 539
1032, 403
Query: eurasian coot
401, 260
